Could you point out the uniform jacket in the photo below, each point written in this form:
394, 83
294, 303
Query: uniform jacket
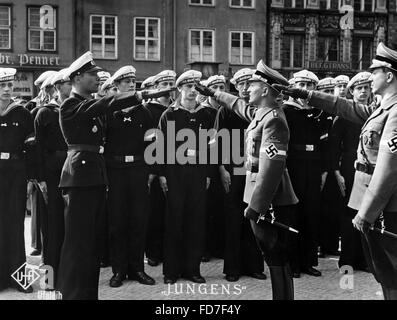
377, 192
267, 180
81, 124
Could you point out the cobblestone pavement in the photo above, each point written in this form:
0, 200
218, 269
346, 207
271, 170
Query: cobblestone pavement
307, 287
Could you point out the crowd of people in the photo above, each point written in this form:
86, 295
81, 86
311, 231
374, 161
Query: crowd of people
78, 152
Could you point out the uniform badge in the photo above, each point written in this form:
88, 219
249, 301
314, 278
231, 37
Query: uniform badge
271, 151
275, 114
4, 124
392, 144
127, 119
95, 129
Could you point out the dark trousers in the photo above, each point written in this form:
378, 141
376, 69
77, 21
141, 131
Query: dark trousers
12, 216
128, 201
55, 221
305, 177
78, 274
274, 242
155, 233
242, 255
185, 220
38, 223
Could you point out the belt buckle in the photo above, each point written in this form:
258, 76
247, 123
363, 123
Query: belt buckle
4, 156
101, 149
129, 158
309, 147
191, 152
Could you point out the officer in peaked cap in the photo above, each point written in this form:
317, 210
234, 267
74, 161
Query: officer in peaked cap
340, 86
374, 190
185, 185
84, 179
344, 138
267, 183
16, 132
307, 167
129, 177
154, 247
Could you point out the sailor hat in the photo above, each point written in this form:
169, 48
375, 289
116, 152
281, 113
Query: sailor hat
385, 58
107, 84
268, 75
242, 75
213, 80
148, 82
103, 75
326, 83
7, 74
83, 64
59, 77
190, 76
359, 78
305, 76
342, 79
43, 77
166, 75
124, 72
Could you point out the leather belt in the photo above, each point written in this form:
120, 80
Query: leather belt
304, 147
363, 167
86, 147
125, 159
10, 156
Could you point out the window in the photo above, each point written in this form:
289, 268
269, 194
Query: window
363, 5
5, 27
292, 51
202, 2
41, 38
328, 49
362, 53
201, 45
241, 50
103, 34
295, 3
147, 39
329, 4
247, 4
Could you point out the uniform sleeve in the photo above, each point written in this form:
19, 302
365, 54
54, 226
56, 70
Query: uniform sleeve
30, 147
272, 158
236, 104
150, 135
335, 141
383, 183
162, 143
344, 108
40, 124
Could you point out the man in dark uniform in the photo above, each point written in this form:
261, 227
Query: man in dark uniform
83, 179
241, 254
267, 180
129, 180
16, 131
306, 169
154, 246
374, 192
184, 178
344, 141
52, 151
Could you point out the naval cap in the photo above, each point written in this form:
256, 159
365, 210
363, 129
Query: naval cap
107, 84
165, 75
7, 74
148, 82
359, 78
385, 57
305, 76
103, 75
326, 83
341, 79
43, 77
59, 77
190, 76
242, 75
84, 63
124, 72
268, 75
213, 80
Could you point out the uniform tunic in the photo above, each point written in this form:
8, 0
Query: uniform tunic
16, 130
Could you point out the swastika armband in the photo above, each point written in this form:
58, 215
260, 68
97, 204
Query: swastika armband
271, 151
391, 144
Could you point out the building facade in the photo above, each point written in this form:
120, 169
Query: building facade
328, 37
35, 36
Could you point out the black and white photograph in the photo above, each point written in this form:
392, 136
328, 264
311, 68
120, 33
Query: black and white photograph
198, 154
